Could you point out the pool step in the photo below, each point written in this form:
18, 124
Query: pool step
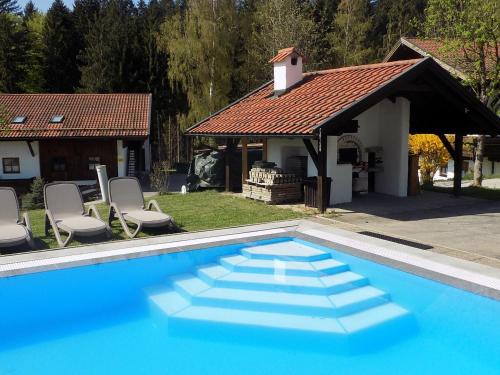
242, 263
290, 250
219, 276
284, 285
334, 305
375, 317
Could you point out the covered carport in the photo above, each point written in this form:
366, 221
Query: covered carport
329, 103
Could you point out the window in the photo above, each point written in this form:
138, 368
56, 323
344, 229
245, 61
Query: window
57, 119
94, 161
11, 165
59, 165
18, 120
294, 61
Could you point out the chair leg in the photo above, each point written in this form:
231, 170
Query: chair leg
111, 215
47, 224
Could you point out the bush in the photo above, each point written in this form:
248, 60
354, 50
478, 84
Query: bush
34, 199
159, 176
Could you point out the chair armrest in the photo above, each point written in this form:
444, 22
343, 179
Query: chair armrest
115, 208
26, 221
93, 210
153, 203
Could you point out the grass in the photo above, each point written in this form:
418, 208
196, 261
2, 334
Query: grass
191, 212
471, 191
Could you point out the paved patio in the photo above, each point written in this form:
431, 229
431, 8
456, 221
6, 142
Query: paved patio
466, 228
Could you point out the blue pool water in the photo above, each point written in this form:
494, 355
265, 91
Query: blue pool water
255, 308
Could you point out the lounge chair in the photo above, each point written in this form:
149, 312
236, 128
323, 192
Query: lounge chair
13, 231
64, 210
127, 202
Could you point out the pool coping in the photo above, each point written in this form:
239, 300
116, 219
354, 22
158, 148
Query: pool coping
463, 274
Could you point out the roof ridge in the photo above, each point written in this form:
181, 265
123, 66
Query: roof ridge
73, 94
366, 66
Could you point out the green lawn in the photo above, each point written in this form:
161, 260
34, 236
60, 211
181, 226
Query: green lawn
471, 191
191, 212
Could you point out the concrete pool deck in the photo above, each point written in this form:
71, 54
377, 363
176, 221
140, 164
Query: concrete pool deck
475, 277
466, 228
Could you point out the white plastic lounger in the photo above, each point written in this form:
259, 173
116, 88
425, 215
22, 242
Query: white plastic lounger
127, 202
13, 231
64, 210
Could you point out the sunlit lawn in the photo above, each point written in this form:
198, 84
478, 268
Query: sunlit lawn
191, 212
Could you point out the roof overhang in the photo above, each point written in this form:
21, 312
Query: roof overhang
440, 104
403, 42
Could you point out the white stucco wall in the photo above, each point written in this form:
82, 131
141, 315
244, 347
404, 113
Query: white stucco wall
29, 165
489, 168
384, 125
393, 137
121, 158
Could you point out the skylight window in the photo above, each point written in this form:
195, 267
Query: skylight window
57, 119
18, 120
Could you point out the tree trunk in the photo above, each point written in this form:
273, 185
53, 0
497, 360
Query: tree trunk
478, 162
483, 97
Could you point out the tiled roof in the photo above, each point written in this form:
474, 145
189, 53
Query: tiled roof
320, 96
283, 54
85, 115
454, 58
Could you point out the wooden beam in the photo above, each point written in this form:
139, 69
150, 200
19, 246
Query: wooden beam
351, 126
264, 149
457, 178
30, 147
228, 158
322, 198
447, 145
311, 150
244, 160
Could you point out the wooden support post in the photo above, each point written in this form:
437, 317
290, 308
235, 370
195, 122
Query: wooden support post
457, 178
312, 152
322, 198
228, 156
244, 160
264, 149
447, 145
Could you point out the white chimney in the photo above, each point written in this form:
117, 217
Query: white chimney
287, 69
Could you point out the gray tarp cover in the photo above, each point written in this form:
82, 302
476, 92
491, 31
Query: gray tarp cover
206, 170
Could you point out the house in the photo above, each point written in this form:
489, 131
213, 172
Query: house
351, 120
453, 62
64, 136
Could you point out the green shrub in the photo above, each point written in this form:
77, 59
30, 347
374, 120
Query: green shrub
159, 177
34, 199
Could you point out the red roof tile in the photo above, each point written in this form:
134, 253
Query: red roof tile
319, 96
284, 53
453, 57
85, 115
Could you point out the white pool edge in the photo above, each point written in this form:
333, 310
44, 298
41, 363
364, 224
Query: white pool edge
471, 276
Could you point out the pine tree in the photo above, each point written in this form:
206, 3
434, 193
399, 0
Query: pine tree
12, 53
9, 6
201, 44
350, 37
33, 22
29, 10
60, 50
84, 15
323, 15
108, 58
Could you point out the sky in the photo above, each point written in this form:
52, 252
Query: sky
43, 5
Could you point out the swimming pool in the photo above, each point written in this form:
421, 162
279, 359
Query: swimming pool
281, 306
